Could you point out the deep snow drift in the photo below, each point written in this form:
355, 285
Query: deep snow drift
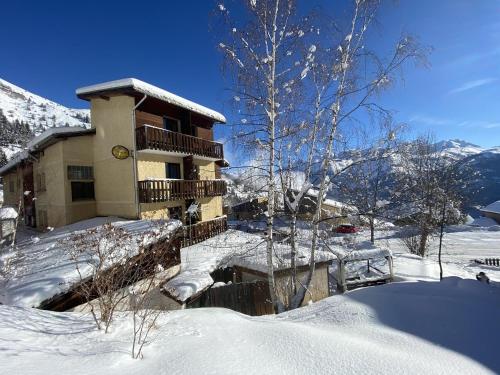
411, 328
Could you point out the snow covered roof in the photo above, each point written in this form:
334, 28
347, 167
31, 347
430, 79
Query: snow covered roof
493, 208
313, 192
44, 140
365, 250
47, 269
150, 90
231, 248
8, 213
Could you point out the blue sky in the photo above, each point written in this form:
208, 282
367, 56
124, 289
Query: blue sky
53, 47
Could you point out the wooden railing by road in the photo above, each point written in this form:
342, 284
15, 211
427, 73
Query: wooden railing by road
196, 233
154, 138
152, 191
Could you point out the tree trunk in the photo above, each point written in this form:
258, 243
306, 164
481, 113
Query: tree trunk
441, 235
372, 229
271, 192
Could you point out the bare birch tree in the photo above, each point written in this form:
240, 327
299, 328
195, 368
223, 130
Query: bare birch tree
259, 55
357, 75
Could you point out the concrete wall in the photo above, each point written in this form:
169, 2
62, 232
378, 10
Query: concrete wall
114, 179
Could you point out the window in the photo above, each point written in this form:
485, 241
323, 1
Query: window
82, 184
40, 182
11, 186
82, 190
171, 124
79, 172
173, 170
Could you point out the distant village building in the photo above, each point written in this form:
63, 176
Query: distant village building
252, 209
492, 211
148, 154
332, 211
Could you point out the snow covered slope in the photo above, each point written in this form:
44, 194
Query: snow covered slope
39, 113
401, 328
485, 161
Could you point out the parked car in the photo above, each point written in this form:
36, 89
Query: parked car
346, 228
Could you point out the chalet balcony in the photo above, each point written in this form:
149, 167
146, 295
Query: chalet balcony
193, 234
158, 139
152, 191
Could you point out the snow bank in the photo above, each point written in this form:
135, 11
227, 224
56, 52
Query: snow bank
364, 250
404, 328
44, 267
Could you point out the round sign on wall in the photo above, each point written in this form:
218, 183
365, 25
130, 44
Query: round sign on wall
120, 152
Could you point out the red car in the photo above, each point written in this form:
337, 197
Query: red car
346, 228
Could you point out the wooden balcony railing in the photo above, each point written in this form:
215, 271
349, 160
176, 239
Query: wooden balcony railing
196, 233
153, 138
151, 191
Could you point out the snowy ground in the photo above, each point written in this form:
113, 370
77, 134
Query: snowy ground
411, 328
419, 326
462, 244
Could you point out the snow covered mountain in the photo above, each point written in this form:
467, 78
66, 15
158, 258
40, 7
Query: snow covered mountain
486, 161
19, 107
39, 113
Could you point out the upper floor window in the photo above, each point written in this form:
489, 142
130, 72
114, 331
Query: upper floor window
173, 170
79, 172
172, 124
40, 182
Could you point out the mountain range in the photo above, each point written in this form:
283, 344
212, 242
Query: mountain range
21, 107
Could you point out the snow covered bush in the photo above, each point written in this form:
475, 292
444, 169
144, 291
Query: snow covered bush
108, 259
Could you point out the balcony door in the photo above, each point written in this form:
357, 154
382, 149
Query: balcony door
172, 124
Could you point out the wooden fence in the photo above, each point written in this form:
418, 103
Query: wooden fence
250, 298
492, 262
154, 138
196, 233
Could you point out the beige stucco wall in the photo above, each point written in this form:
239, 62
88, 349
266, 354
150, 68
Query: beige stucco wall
11, 198
207, 169
210, 208
53, 199
152, 165
159, 210
78, 151
114, 179
56, 199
